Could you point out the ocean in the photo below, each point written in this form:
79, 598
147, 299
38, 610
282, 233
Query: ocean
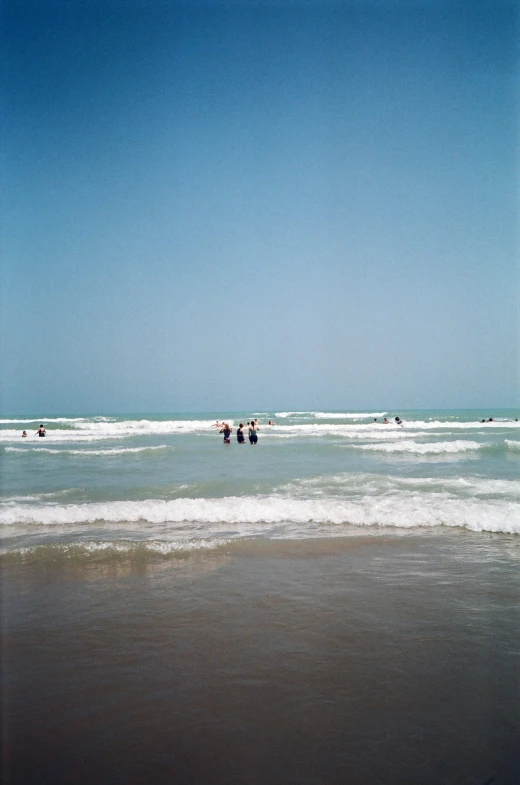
336, 604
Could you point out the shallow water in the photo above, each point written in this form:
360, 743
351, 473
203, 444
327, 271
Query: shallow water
383, 659
168, 482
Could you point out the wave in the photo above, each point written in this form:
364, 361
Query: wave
347, 415
366, 432
88, 430
294, 423
87, 453
512, 444
332, 415
432, 448
367, 484
111, 548
38, 420
38, 497
282, 517
462, 425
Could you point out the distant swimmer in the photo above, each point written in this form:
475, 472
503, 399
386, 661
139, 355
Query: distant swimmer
253, 437
491, 419
271, 422
240, 434
386, 421
375, 419
24, 434
218, 424
399, 421
226, 430
41, 430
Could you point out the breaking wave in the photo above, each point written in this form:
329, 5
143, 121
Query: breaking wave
433, 448
284, 517
87, 453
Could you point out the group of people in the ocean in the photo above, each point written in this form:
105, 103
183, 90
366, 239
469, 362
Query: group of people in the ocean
386, 421
252, 431
41, 432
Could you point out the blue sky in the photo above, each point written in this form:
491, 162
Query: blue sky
251, 204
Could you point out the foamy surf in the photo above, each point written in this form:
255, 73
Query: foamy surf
426, 448
125, 548
87, 452
363, 484
234, 516
313, 474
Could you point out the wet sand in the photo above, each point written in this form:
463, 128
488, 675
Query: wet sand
371, 659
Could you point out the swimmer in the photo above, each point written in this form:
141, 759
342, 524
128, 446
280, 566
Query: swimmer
253, 437
226, 430
375, 419
271, 422
24, 434
399, 421
240, 434
386, 421
41, 430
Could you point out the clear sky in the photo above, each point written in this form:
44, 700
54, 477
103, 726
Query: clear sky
214, 206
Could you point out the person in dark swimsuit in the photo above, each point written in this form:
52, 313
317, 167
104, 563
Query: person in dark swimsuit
253, 438
226, 430
41, 431
240, 434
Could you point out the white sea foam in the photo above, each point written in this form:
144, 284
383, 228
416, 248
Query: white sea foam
94, 431
460, 425
59, 437
512, 444
365, 484
366, 432
47, 420
87, 453
123, 547
432, 448
332, 415
83, 429
38, 497
347, 415
282, 516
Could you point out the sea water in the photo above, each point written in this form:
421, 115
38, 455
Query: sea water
338, 603
163, 483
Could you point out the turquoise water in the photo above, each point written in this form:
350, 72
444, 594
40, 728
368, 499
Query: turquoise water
165, 483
